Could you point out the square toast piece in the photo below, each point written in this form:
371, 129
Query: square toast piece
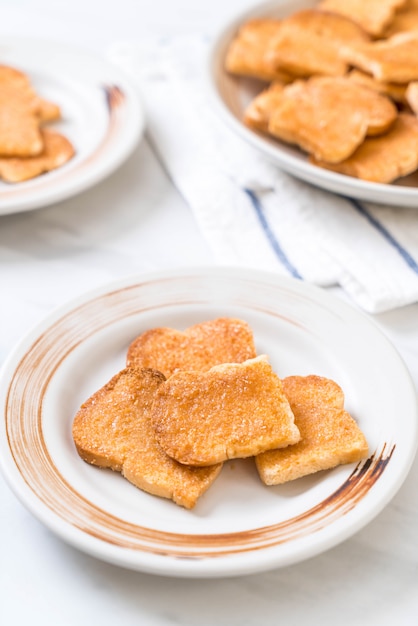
329, 117
329, 435
234, 410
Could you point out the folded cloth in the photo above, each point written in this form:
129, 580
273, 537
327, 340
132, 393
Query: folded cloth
252, 213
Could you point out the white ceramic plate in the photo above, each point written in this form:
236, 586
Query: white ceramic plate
239, 526
102, 117
230, 96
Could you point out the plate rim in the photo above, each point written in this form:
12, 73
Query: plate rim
380, 193
54, 191
167, 565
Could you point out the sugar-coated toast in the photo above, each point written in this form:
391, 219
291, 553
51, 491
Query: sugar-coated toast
233, 410
329, 435
385, 158
330, 117
19, 122
308, 41
247, 52
56, 151
112, 429
199, 347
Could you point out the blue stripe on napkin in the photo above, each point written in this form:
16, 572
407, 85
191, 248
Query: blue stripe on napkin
410, 261
278, 250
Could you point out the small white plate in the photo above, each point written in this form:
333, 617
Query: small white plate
230, 96
239, 525
101, 116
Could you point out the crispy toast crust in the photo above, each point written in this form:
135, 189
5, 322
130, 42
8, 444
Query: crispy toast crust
112, 429
329, 435
231, 411
199, 347
383, 159
329, 117
56, 151
247, 52
308, 41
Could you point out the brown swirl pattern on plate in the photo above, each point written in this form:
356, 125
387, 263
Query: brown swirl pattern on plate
24, 428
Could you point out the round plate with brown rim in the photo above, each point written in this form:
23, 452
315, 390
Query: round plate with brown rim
239, 525
100, 114
230, 96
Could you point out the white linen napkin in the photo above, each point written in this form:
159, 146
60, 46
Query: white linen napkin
252, 213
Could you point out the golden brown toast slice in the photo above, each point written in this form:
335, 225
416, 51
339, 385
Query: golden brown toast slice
47, 111
246, 54
394, 91
329, 117
258, 113
19, 131
57, 150
199, 347
16, 84
383, 159
21, 113
112, 429
392, 60
405, 19
308, 41
19, 122
329, 435
233, 410
374, 16
12, 78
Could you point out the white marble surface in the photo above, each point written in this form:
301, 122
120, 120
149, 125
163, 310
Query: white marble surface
136, 221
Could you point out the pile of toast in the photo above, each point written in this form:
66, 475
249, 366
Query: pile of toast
188, 401
28, 146
342, 84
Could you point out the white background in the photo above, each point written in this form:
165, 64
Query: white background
136, 221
